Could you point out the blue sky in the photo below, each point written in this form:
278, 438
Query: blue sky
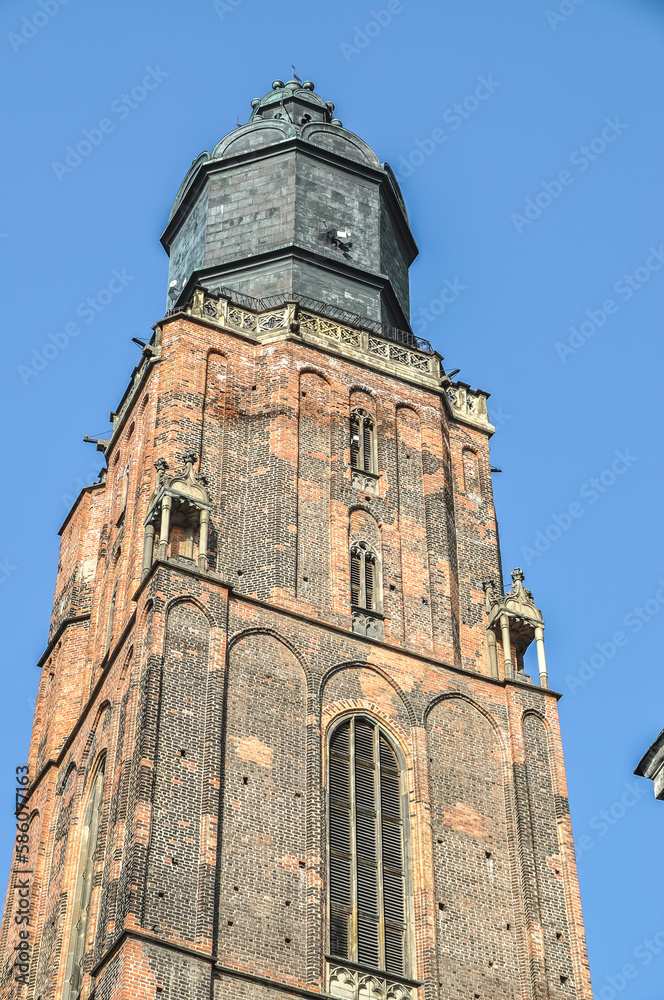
540, 196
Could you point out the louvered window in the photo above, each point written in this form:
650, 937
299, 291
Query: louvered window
366, 856
363, 578
362, 442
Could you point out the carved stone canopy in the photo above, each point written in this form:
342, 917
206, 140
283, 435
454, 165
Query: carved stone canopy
187, 489
518, 605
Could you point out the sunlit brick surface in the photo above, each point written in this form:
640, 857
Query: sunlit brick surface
212, 691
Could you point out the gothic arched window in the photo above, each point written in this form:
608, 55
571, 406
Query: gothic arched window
367, 848
83, 890
362, 441
364, 582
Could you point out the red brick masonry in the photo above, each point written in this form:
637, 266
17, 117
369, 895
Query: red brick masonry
211, 693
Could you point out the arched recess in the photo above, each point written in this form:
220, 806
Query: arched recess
212, 431
413, 530
546, 897
46, 961
81, 926
473, 851
365, 686
175, 841
313, 489
264, 828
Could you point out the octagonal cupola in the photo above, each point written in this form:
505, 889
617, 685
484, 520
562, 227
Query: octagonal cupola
293, 204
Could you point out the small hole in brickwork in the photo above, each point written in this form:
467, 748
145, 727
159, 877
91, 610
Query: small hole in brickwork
477, 996
304, 393
301, 864
174, 861
236, 888
392, 587
245, 781
439, 841
557, 871
182, 753
487, 854
508, 926
559, 936
298, 795
160, 989
563, 979
253, 388
230, 923
306, 579
441, 906
425, 602
407, 456
239, 572
161, 895
269, 677
287, 940
491, 963
287, 902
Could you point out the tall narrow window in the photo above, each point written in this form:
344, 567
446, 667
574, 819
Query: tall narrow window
366, 848
125, 489
111, 616
362, 442
83, 891
363, 577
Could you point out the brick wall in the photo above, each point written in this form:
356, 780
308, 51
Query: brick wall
211, 870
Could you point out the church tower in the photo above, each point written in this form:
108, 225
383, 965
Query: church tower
284, 744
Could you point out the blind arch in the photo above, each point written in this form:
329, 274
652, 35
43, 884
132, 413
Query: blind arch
84, 885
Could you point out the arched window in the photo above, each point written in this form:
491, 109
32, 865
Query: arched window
83, 891
367, 848
364, 584
362, 442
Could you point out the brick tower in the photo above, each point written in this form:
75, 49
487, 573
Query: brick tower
284, 744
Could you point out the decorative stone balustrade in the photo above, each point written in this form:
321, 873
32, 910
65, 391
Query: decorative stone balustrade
313, 327
355, 984
469, 405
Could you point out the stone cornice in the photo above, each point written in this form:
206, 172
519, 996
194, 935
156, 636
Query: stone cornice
214, 578
64, 624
